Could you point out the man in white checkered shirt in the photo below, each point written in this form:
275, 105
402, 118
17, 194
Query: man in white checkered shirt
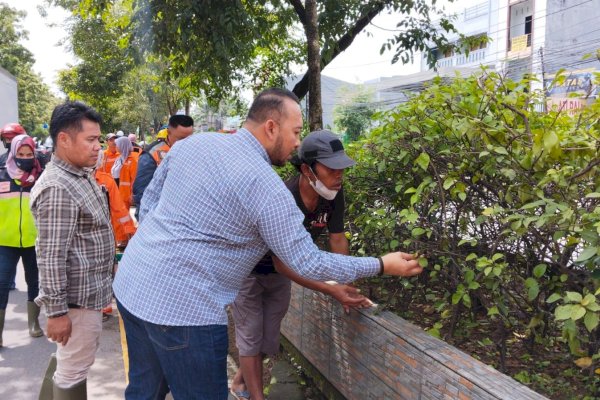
213, 208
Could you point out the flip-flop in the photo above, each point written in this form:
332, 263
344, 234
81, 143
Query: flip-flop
240, 394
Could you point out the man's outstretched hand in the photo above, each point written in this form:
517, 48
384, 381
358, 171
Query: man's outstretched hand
348, 296
401, 264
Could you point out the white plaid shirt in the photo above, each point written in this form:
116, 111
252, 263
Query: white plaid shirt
75, 246
212, 210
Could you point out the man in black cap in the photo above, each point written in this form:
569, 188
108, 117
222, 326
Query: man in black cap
265, 295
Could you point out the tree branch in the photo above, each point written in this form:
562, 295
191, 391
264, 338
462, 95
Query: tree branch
297, 4
342, 44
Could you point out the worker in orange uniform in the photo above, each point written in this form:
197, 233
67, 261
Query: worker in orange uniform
180, 127
124, 170
122, 223
110, 154
137, 149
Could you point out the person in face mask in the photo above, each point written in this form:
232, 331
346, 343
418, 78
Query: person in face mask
8, 133
265, 296
17, 228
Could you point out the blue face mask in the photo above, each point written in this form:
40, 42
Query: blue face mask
25, 164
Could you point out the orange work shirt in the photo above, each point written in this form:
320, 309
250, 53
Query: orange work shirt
109, 160
126, 178
122, 224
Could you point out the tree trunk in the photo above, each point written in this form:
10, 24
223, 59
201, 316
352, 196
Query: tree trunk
342, 44
315, 108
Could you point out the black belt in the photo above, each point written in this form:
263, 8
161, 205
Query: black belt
71, 305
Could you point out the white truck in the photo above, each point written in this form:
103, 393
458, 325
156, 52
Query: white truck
9, 104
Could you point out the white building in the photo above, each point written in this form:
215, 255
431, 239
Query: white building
537, 37
9, 100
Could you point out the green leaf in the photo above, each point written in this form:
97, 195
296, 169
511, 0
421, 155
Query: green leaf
550, 141
533, 204
469, 275
471, 256
416, 232
563, 312
488, 211
394, 244
574, 297
539, 270
466, 300
456, 298
593, 195
493, 311
593, 306
589, 298
462, 196
423, 161
586, 254
577, 312
500, 150
448, 183
497, 256
474, 285
533, 288
553, 297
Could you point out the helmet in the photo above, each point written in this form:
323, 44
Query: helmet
162, 134
9, 131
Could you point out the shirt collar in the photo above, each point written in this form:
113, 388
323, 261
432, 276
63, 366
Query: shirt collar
62, 164
253, 141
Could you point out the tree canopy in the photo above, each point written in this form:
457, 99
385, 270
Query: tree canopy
217, 47
35, 99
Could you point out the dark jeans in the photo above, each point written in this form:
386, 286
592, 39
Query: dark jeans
191, 361
9, 258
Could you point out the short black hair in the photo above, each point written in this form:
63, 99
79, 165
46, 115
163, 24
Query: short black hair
268, 102
67, 117
181, 120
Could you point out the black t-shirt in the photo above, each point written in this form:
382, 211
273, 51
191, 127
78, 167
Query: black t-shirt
328, 216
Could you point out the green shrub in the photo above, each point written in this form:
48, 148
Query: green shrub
503, 201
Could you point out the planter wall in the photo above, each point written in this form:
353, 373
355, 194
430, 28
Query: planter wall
366, 355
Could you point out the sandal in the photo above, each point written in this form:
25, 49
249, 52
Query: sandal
240, 394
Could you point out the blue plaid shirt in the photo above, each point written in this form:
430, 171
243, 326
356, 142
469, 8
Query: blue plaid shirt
213, 209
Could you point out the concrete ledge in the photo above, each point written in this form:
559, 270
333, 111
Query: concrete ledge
366, 355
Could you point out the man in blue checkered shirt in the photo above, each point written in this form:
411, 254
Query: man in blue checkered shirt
214, 207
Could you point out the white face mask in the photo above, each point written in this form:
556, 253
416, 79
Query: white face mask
321, 189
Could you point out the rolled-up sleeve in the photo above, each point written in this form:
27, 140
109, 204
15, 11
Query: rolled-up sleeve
55, 215
280, 226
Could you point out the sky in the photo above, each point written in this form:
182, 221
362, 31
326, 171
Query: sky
45, 34
359, 63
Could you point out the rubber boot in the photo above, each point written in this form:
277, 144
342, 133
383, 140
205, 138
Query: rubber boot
2, 314
33, 313
48, 382
77, 392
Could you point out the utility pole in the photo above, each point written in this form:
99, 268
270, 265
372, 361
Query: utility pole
543, 79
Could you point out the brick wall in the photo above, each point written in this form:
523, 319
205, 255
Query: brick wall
366, 355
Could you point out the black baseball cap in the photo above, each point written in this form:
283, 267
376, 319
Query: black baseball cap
325, 147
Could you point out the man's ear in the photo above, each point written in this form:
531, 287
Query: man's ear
304, 168
271, 129
63, 138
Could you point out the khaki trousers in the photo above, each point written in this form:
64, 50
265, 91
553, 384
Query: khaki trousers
73, 361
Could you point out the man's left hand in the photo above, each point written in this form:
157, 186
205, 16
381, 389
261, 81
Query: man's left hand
349, 296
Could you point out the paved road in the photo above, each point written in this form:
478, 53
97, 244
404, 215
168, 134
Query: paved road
23, 359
